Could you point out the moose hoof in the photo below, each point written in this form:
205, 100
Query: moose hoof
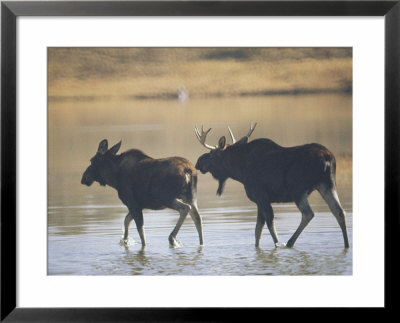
124, 242
289, 245
174, 242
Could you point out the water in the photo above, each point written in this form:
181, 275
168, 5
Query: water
85, 225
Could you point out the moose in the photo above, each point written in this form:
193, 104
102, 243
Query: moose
271, 173
143, 182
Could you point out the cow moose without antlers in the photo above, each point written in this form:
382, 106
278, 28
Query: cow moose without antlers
271, 173
143, 182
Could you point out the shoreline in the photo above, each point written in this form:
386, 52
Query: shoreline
174, 96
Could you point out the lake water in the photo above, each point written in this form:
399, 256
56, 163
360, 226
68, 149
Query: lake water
85, 224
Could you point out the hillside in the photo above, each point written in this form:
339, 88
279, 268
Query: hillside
157, 73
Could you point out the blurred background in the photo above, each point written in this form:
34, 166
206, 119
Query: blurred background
151, 98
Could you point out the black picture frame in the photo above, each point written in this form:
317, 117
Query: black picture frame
11, 10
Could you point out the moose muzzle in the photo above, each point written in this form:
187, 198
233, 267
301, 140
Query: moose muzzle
86, 179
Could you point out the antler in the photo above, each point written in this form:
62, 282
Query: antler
232, 136
202, 137
251, 129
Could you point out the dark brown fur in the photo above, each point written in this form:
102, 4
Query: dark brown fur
143, 182
272, 173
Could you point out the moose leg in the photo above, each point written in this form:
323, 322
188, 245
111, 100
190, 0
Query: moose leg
265, 215
331, 198
306, 215
194, 213
259, 226
137, 216
127, 221
269, 219
183, 210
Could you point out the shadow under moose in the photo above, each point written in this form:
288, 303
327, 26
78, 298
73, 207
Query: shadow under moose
143, 182
271, 173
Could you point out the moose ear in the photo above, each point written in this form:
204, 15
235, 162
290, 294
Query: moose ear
222, 142
114, 149
103, 146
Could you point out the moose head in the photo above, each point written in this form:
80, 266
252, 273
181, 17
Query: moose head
218, 160
101, 165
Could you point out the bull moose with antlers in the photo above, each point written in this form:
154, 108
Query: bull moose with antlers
143, 182
271, 173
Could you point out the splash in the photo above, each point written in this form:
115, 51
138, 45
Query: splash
176, 244
127, 242
280, 245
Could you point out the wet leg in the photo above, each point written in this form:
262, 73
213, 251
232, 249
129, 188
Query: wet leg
194, 213
331, 198
183, 210
259, 226
306, 215
269, 219
138, 218
127, 221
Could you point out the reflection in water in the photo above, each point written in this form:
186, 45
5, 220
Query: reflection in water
291, 261
85, 225
136, 261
